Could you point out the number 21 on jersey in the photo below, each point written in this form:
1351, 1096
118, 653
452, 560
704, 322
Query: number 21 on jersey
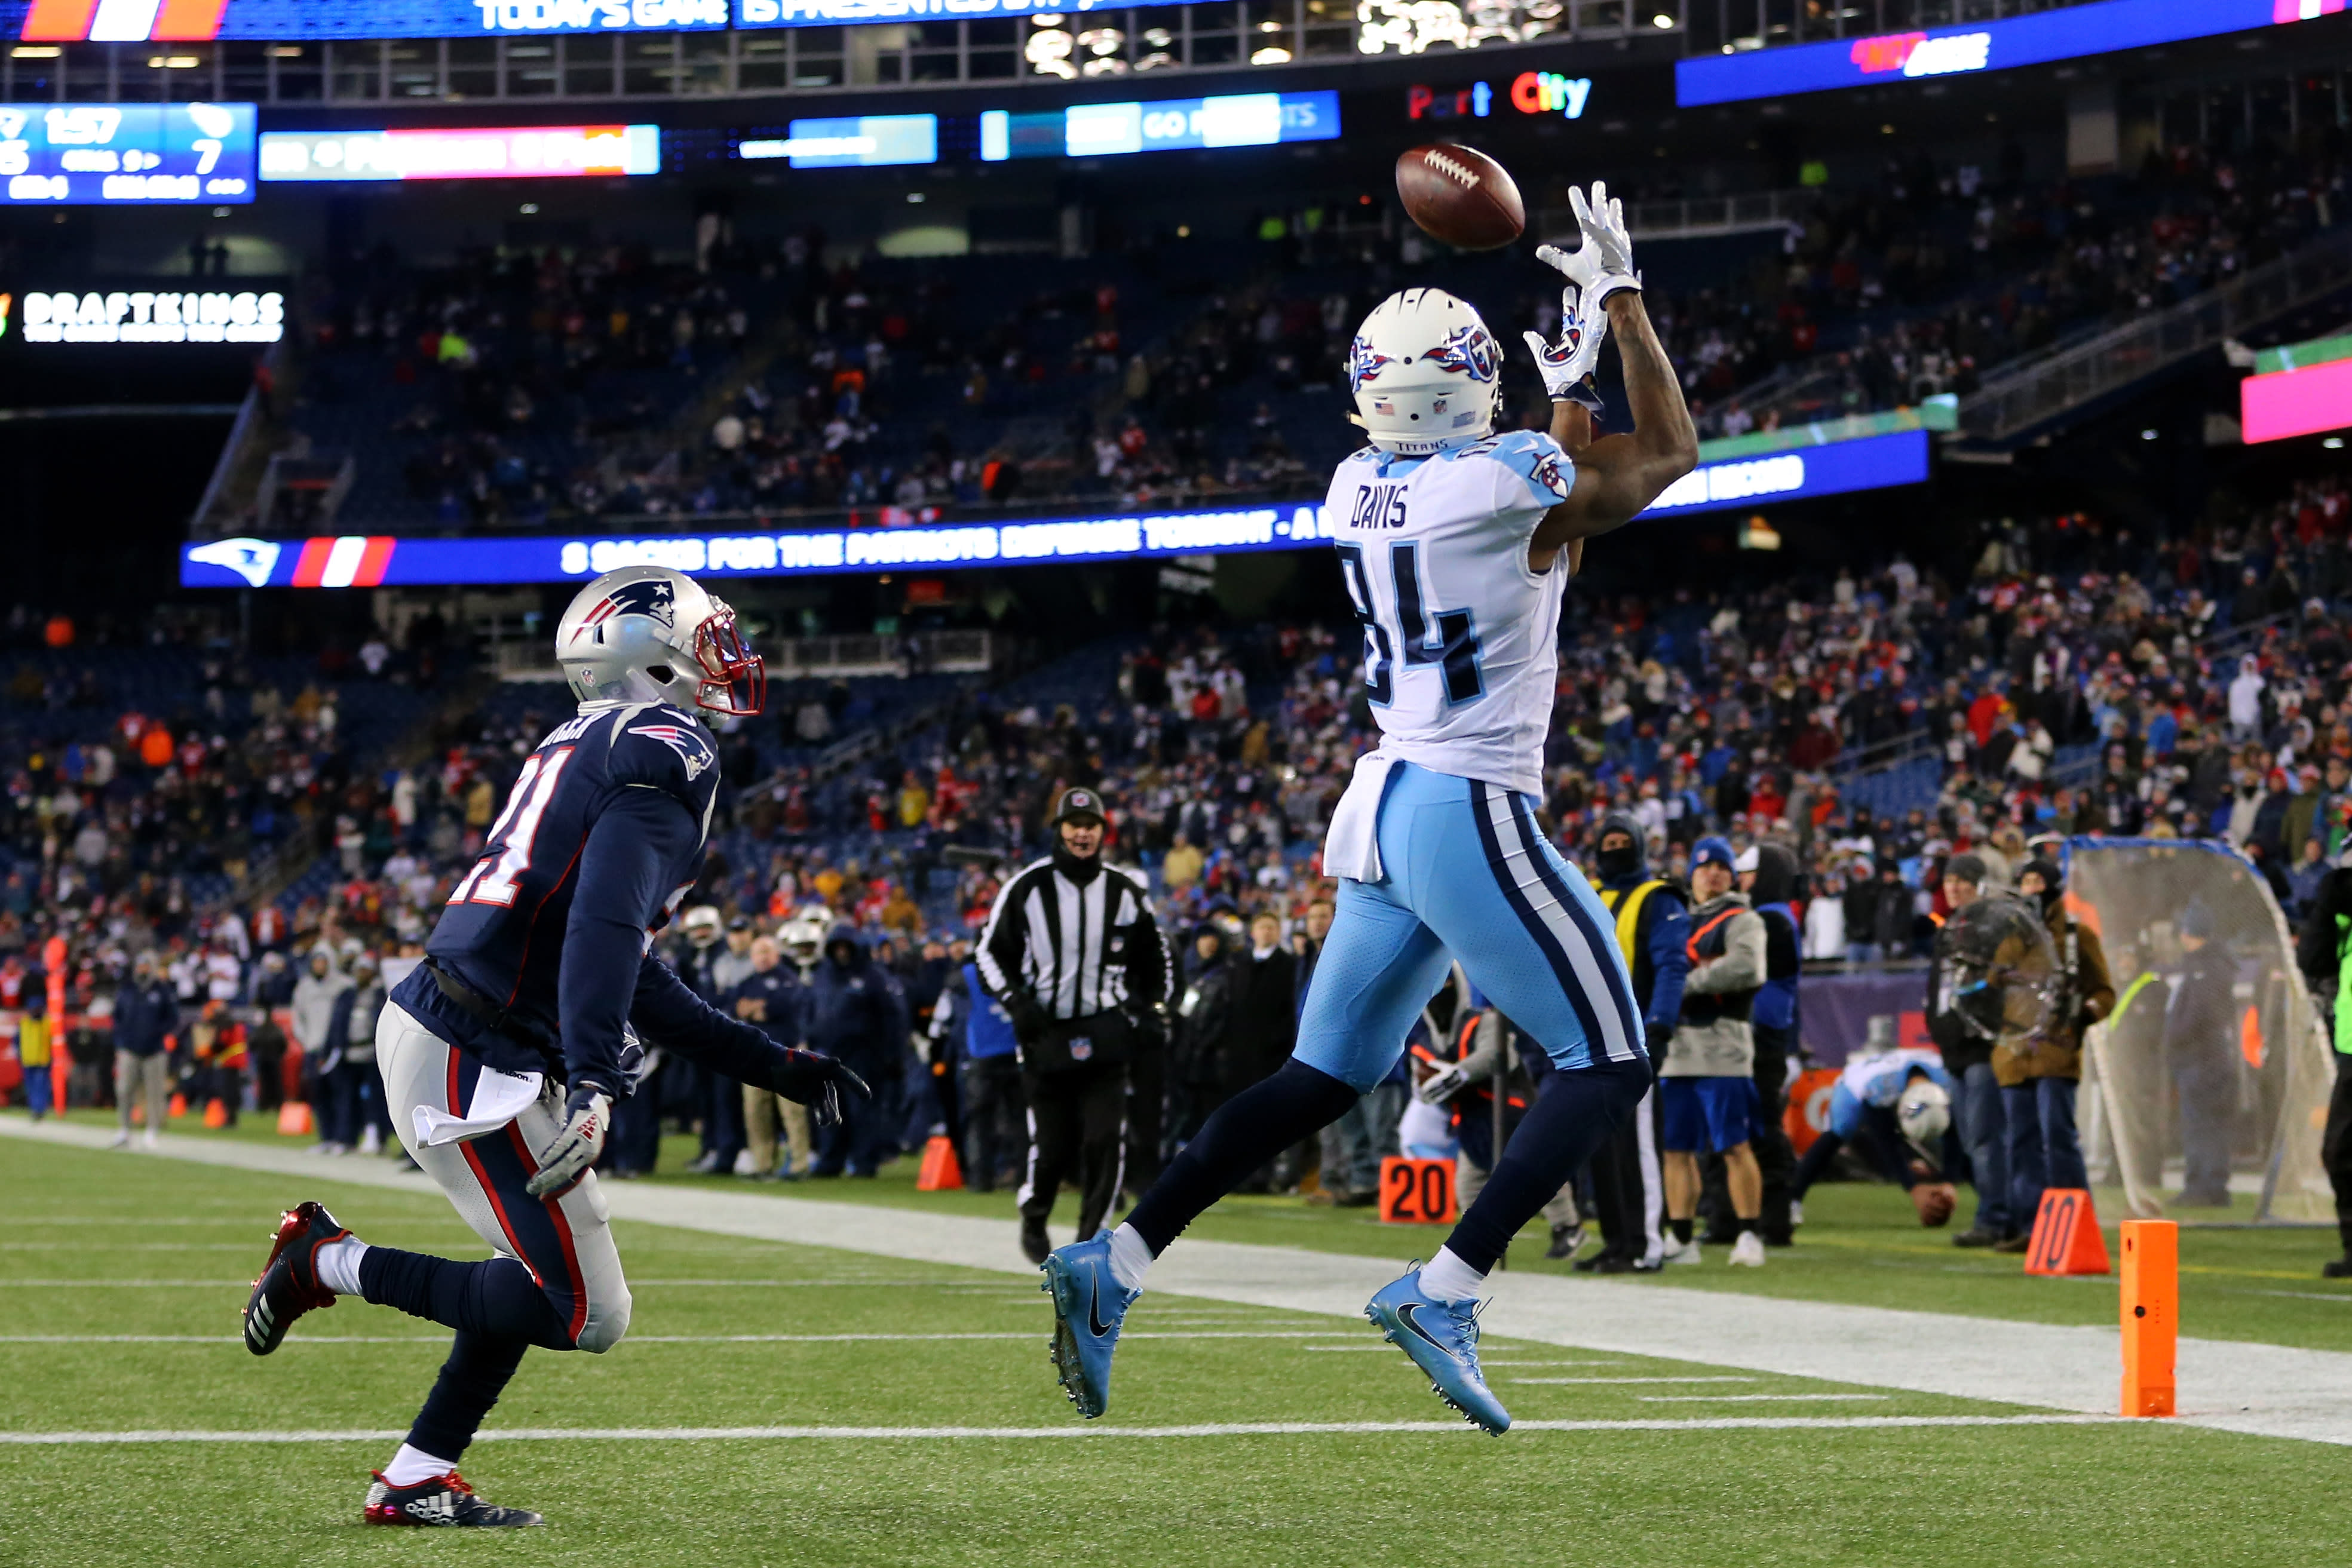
505, 853
1447, 639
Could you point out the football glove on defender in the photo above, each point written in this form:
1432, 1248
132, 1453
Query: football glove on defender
587, 1115
818, 1081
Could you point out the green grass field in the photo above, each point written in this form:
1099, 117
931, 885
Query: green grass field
157, 1252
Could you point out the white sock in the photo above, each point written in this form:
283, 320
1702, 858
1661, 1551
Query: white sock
1446, 1278
339, 1265
1129, 1256
413, 1465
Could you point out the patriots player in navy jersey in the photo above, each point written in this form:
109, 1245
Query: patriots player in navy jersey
503, 1054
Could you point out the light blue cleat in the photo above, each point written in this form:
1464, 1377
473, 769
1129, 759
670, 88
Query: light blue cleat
1442, 1337
1089, 1305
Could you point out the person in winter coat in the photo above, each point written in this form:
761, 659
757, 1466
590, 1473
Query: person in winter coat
319, 1005
1706, 1090
2038, 1076
2201, 1045
1653, 933
1769, 881
1204, 1013
1977, 1107
769, 998
145, 1011
858, 1016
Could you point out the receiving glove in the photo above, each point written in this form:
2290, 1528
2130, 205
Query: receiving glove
1603, 263
587, 1114
818, 1081
1441, 1085
1567, 366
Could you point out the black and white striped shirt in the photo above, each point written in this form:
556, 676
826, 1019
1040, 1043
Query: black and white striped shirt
1078, 947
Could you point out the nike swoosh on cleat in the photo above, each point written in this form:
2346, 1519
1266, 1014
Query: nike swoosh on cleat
1405, 1316
1093, 1310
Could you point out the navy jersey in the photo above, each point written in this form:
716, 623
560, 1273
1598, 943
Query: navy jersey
599, 840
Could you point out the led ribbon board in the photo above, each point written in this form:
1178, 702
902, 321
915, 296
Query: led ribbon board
1112, 130
380, 561
536, 151
296, 21
2305, 389
2059, 35
863, 141
832, 13
125, 154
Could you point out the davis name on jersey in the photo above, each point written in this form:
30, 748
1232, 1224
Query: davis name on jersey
1460, 639
504, 932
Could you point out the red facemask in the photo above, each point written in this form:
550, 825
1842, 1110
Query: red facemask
728, 663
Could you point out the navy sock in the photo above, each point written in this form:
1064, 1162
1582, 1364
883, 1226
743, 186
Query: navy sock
1817, 1159
1680, 1228
1242, 1134
1574, 1114
497, 1300
471, 1381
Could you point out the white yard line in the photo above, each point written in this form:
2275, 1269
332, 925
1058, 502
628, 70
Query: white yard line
1072, 1432
1617, 1382
2263, 1389
1756, 1398
1037, 1335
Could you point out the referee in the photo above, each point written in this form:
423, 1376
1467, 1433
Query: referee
1073, 951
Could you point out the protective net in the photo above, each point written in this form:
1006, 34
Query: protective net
2206, 1090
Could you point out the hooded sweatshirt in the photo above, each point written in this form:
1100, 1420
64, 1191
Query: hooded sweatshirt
1658, 948
854, 1008
1776, 884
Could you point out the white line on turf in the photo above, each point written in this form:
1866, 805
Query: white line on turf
1018, 1434
1565, 1380
1024, 1336
1754, 1398
2267, 1390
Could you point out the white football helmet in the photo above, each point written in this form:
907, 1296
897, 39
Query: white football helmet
1924, 1112
646, 633
1426, 373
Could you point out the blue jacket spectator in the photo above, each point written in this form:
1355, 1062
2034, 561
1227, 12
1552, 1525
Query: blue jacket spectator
858, 1015
145, 1011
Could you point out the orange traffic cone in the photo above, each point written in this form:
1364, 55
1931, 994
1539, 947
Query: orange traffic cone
216, 1113
178, 1108
294, 1119
940, 1172
2066, 1239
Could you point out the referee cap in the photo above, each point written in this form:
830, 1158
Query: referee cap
1080, 805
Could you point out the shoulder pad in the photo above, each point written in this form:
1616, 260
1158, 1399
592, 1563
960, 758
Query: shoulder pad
662, 746
1535, 457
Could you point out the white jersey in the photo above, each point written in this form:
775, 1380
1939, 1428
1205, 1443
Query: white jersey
1460, 639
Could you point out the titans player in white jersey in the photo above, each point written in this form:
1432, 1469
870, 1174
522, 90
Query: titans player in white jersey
1455, 544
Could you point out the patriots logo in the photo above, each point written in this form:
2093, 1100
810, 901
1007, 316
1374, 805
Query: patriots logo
1364, 362
1467, 351
656, 599
686, 743
252, 559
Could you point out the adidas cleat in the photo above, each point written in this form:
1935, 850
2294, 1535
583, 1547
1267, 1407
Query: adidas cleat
288, 1285
439, 1500
1089, 1305
1442, 1338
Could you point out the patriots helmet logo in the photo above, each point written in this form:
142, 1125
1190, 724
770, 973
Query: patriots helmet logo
1468, 351
688, 744
252, 559
654, 598
1364, 362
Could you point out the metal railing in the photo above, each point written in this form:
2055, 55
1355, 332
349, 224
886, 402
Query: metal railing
1693, 217
529, 657
2043, 387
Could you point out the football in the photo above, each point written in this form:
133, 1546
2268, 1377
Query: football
1460, 196
1934, 1202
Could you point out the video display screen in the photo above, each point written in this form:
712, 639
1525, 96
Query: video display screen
126, 155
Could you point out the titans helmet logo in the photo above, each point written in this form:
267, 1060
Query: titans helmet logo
1467, 351
1364, 362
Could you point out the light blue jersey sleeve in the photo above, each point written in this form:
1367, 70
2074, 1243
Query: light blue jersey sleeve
1545, 474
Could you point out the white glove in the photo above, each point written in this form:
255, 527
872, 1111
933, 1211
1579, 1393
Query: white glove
1567, 366
1441, 1085
1603, 263
586, 1115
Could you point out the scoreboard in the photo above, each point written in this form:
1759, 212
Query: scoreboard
126, 155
